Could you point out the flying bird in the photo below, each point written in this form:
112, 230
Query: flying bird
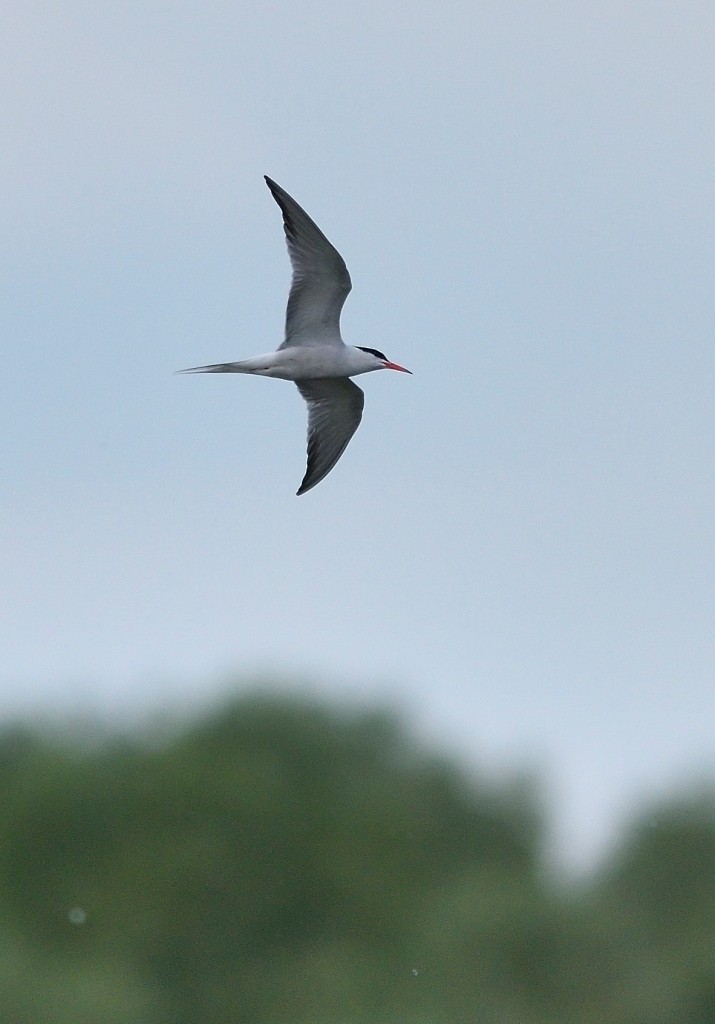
313, 354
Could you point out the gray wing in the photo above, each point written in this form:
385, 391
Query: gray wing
334, 413
321, 281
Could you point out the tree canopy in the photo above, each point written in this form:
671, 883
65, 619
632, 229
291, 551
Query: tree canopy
283, 861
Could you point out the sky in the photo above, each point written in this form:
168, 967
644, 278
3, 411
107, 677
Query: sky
517, 549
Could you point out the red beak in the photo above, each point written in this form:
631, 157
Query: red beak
395, 366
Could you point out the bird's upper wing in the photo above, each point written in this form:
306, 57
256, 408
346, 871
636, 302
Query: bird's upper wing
334, 413
321, 281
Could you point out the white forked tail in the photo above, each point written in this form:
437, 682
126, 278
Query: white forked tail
220, 368
257, 364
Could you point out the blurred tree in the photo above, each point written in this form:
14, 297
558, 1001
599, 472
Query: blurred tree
280, 861
660, 892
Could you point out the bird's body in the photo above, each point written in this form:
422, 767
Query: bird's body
313, 354
301, 362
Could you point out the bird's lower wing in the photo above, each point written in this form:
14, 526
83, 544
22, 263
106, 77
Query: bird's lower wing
335, 407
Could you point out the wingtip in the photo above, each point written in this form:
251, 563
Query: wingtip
307, 484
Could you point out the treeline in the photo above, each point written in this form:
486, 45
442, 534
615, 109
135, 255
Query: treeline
280, 862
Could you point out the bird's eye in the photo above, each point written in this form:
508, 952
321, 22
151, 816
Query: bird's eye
373, 352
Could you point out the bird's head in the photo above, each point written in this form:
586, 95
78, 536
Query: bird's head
380, 360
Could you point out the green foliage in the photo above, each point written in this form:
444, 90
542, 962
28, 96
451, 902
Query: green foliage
280, 861
660, 889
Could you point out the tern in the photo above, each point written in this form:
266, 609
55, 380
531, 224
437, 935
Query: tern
313, 354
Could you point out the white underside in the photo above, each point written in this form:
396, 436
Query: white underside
307, 362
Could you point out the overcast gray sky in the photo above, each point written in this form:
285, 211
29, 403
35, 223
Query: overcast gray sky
517, 548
